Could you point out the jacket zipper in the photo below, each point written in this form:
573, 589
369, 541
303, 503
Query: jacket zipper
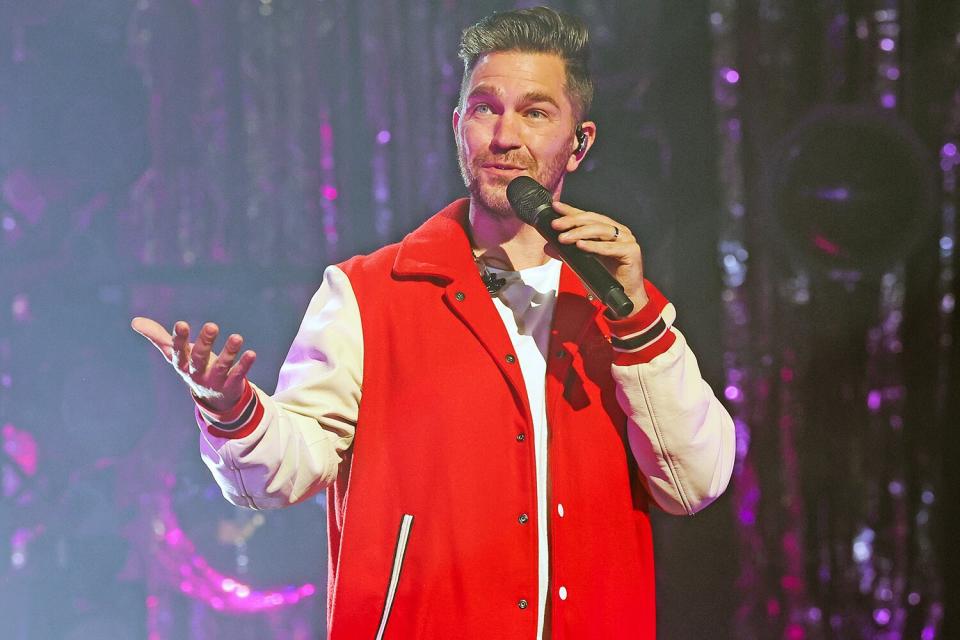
405, 524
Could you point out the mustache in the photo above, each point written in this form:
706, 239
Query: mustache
526, 163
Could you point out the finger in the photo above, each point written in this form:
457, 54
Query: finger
582, 219
565, 209
181, 345
200, 355
238, 373
218, 371
612, 249
568, 215
155, 333
598, 231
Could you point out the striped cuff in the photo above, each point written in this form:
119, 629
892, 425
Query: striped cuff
236, 422
646, 334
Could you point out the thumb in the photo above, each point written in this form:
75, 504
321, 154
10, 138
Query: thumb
155, 333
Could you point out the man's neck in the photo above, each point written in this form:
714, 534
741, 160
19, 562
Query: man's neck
505, 242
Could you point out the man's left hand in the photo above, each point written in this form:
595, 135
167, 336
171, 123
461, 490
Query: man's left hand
612, 242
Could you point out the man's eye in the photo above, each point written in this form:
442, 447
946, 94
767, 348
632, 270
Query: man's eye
482, 108
537, 114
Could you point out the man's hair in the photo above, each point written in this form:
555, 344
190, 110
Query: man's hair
537, 30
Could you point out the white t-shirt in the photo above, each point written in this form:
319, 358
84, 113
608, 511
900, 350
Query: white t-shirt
526, 305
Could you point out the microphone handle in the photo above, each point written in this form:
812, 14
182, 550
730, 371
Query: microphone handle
585, 265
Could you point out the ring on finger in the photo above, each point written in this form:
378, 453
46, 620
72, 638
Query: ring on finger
616, 231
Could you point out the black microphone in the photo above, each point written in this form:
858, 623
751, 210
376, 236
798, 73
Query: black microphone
534, 205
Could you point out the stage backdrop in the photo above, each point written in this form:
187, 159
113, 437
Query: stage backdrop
788, 166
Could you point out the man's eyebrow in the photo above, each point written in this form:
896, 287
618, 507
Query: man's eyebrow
538, 96
485, 90
527, 98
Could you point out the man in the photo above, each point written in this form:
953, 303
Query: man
495, 479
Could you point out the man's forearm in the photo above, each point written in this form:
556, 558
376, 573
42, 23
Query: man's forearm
269, 452
681, 436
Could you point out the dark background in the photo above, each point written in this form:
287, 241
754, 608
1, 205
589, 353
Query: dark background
207, 159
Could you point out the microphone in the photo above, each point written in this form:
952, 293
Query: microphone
533, 204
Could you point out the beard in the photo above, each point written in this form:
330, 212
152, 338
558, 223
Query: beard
490, 191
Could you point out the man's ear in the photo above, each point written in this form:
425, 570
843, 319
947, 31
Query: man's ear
456, 122
581, 143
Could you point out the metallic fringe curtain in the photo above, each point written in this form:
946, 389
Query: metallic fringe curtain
838, 476
286, 135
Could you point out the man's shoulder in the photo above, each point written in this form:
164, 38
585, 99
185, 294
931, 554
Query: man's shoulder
378, 261
426, 244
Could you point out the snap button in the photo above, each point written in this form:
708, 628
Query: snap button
511, 358
460, 295
522, 604
521, 437
560, 509
562, 592
523, 518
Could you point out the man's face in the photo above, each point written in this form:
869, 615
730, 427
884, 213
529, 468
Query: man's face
516, 119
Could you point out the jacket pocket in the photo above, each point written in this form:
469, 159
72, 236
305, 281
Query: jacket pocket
406, 523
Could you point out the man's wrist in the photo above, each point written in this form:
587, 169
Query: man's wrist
645, 333
240, 421
225, 412
640, 300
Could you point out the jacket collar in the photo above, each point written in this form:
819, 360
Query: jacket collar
440, 247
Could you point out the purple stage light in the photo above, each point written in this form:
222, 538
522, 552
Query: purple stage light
796, 632
732, 393
881, 616
21, 446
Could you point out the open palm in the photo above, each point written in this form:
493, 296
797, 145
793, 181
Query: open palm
216, 379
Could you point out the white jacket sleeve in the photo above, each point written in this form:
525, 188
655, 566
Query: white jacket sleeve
284, 449
682, 438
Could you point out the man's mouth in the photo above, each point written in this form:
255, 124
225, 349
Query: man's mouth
503, 166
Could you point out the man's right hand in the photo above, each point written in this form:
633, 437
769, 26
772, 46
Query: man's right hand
216, 380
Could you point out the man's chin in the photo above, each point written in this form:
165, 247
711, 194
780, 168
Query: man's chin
494, 200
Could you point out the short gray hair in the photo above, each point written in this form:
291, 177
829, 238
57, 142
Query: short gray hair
536, 30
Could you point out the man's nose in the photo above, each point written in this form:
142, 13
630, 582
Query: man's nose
506, 133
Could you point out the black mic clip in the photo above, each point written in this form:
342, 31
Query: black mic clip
492, 282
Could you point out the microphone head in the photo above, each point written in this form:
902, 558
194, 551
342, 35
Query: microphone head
527, 197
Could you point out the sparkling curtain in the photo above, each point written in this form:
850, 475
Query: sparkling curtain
836, 377
276, 118
286, 135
